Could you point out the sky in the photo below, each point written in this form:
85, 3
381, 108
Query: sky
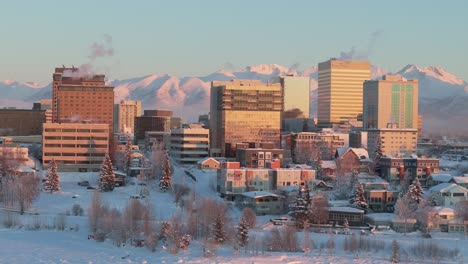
125, 39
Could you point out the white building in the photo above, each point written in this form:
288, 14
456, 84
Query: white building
448, 193
189, 145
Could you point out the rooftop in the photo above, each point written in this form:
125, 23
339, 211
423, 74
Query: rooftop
259, 194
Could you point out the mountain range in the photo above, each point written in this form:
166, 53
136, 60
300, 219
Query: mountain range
443, 97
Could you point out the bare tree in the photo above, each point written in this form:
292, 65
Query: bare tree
250, 216
20, 191
319, 208
158, 155
461, 210
403, 210
95, 211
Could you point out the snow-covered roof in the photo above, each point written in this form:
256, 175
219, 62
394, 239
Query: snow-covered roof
329, 164
361, 153
381, 216
23, 168
259, 194
442, 210
345, 210
441, 177
461, 179
205, 159
299, 166
402, 220
447, 187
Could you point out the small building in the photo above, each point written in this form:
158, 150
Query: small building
448, 193
394, 169
319, 185
458, 226
328, 168
337, 215
352, 159
257, 157
263, 203
208, 163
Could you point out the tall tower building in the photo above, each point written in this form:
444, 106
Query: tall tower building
390, 100
77, 98
124, 116
296, 94
340, 90
244, 111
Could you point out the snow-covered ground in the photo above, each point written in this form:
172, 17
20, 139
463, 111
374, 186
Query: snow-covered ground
22, 245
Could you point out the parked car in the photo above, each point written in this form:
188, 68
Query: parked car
90, 188
83, 183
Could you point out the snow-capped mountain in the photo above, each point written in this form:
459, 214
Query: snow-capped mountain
189, 96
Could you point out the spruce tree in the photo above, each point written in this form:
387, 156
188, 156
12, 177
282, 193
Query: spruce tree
106, 176
243, 232
52, 180
415, 193
318, 163
299, 209
218, 229
358, 200
378, 154
166, 179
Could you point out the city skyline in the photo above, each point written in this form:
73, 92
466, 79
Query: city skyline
148, 38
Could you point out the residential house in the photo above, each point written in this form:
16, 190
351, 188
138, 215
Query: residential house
350, 160
395, 169
448, 193
263, 203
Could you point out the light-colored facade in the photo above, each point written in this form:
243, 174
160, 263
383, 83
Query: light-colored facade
233, 180
189, 145
296, 94
448, 194
124, 116
244, 111
75, 146
15, 154
390, 100
340, 90
394, 141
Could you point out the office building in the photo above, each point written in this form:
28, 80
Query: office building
390, 100
46, 105
124, 116
258, 156
21, 122
189, 145
395, 169
81, 98
155, 121
244, 111
394, 141
75, 146
340, 90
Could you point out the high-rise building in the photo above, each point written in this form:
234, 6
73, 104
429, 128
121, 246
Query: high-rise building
77, 98
124, 116
390, 100
340, 90
244, 111
46, 105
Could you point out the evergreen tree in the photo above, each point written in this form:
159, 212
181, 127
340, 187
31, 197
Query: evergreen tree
166, 179
52, 180
318, 163
184, 242
377, 155
358, 200
218, 229
415, 193
395, 250
299, 209
128, 153
106, 176
243, 233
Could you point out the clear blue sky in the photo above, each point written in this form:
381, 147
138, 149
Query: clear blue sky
194, 38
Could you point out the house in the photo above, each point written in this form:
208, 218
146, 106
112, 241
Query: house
319, 185
439, 218
350, 160
448, 193
436, 179
328, 168
404, 225
337, 215
263, 203
208, 163
458, 226
232, 180
378, 196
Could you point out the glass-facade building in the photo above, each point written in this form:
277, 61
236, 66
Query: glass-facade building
244, 111
390, 100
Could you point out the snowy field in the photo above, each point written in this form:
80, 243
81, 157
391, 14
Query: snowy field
20, 244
